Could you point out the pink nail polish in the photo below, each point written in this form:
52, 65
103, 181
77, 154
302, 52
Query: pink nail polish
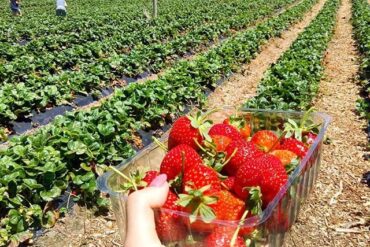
159, 180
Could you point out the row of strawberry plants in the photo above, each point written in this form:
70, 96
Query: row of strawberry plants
120, 27
70, 152
293, 81
129, 36
361, 23
37, 93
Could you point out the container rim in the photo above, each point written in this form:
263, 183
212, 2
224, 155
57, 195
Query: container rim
102, 181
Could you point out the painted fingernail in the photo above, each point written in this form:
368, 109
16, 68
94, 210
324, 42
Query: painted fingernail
159, 180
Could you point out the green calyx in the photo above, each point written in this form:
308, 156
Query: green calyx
255, 200
213, 158
200, 122
296, 130
198, 203
132, 181
237, 121
290, 167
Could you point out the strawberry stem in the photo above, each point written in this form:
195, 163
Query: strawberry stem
160, 144
124, 176
241, 222
231, 156
202, 148
206, 114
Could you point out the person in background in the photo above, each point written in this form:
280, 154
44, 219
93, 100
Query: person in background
61, 8
15, 7
141, 226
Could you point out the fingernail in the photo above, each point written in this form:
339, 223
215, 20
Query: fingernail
159, 180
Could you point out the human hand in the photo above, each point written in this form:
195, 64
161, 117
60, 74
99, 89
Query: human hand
141, 226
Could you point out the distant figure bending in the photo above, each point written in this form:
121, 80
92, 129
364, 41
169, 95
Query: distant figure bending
15, 7
61, 8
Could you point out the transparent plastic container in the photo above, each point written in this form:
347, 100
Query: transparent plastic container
266, 229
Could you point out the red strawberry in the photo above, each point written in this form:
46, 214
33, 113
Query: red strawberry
149, 176
265, 140
225, 130
197, 202
222, 236
294, 145
228, 206
246, 131
242, 151
220, 142
186, 129
210, 204
285, 156
168, 227
267, 172
199, 176
228, 183
241, 123
142, 180
173, 161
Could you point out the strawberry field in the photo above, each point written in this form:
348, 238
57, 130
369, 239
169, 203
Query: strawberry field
83, 93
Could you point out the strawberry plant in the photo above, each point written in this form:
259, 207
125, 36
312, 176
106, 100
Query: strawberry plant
361, 24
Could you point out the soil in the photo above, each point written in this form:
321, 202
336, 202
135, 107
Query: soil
338, 211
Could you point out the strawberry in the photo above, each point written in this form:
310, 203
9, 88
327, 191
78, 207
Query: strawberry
200, 176
149, 176
228, 183
279, 220
222, 237
173, 161
265, 140
210, 204
168, 227
221, 142
197, 202
241, 124
239, 152
266, 172
225, 130
187, 129
245, 131
285, 156
228, 206
293, 145
142, 180
309, 138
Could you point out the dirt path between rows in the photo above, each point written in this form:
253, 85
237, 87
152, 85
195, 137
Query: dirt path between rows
338, 211
242, 86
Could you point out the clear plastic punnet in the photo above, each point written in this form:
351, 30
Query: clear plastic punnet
265, 229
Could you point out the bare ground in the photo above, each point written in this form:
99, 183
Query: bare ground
338, 211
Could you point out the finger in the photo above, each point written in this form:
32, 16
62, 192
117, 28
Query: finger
141, 226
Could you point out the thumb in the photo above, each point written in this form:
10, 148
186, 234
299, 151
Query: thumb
141, 226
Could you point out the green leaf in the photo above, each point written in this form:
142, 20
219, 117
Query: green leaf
50, 194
